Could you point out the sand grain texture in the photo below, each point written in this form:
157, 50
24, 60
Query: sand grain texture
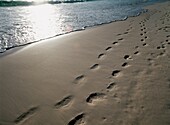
114, 74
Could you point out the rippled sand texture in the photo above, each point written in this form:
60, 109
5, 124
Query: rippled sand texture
115, 74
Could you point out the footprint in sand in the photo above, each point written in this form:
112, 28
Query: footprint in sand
64, 102
115, 43
102, 55
108, 48
125, 65
127, 57
166, 40
125, 32
95, 66
111, 85
142, 40
95, 97
120, 39
78, 120
146, 37
145, 44
119, 34
116, 73
163, 46
136, 53
158, 47
26, 114
79, 79
136, 47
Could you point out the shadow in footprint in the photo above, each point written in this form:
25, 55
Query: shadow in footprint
142, 40
119, 34
127, 57
116, 73
125, 64
101, 55
96, 96
111, 85
120, 39
115, 43
136, 47
108, 48
136, 53
145, 44
26, 114
77, 120
95, 66
79, 79
64, 102
126, 32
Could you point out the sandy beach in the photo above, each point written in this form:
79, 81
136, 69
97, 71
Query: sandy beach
113, 74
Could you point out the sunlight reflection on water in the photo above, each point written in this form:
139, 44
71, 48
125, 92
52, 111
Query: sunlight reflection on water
33, 23
26, 24
43, 21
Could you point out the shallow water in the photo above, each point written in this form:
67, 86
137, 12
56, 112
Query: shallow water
26, 23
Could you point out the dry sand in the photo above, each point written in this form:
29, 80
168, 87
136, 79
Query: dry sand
114, 74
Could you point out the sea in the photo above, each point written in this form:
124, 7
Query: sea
25, 22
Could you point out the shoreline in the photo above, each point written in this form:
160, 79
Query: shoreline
13, 49
16, 48
116, 73
82, 29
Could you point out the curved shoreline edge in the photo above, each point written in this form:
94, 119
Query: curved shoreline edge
82, 29
16, 47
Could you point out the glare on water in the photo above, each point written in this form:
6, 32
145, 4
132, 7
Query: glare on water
43, 21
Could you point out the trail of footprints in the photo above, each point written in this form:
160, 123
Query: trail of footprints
143, 32
79, 79
163, 44
94, 97
66, 101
